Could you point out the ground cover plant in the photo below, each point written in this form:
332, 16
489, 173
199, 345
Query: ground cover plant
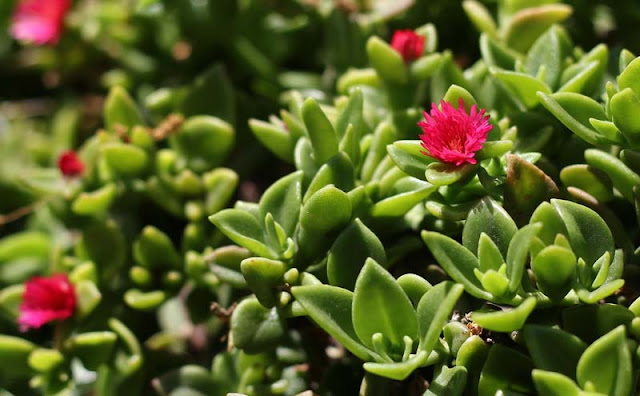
319, 197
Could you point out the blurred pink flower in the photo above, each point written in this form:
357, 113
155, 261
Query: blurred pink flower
70, 164
409, 44
451, 135
39, 21
45, 300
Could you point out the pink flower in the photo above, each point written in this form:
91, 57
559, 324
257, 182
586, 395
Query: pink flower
70, 164
39, 21
453, 136
409, 44
46, 299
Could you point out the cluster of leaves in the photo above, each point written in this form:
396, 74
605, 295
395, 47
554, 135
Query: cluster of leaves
369, 264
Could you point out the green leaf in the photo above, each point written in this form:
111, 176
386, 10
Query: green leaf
472, 355
449, 382
397, 370
606, 364
220, 184
255, 328
324, 140
275, 137
507, 320
434, 310
154, 249
88, 297
525, 26
522, 86
205, 141
553, 384
488, 217
458, 262
505, 370
242, 228
200, 101
624, 179
388, 62
14, 352
398, 205
126, 160
120, 109
95, 202
553, 349
555, 269
518, 253
592, 321
408, 156
480, 17
188, 380
282, 199
338, 171
589, 179
94, 348
414, 286
549, 51
455, 93
348, 254
630, 76
489, 256
262, 276
588, 233
624, 105
574, 111
144, 301
45, 360
380, 306
495, 53
442, 174
327, 210
383, 135
423, 67
351, 114
330, 308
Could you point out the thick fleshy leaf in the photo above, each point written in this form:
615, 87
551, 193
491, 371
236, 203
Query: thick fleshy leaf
624, 179
205, 141
449, 382
495, 53
549, 51
126, 160
351, 114
262, 276
505, 370
442, 174
624, 105
408, 156
276, 138
383, 135
434, 311
154, 249
327, 210
415, 287
518, 254
200, 101
324, 140
507, 320
630, 76
554, 268
589, 179
120, 109
92, 348
606, 364
388, 62
380, 306
523, 86
588, 234
528, 24
242, 228
397, 370
95, 202
488, 217
549, 383
338, 171
480, 17
255, 328
553, 349
574, 111
589, 322
330, 307
282, 199
457, 261
472, 355
346, 257
14, 352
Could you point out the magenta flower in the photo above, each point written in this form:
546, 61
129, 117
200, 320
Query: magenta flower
453, 136
45, 300
39, 21
70, 164
408, 44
